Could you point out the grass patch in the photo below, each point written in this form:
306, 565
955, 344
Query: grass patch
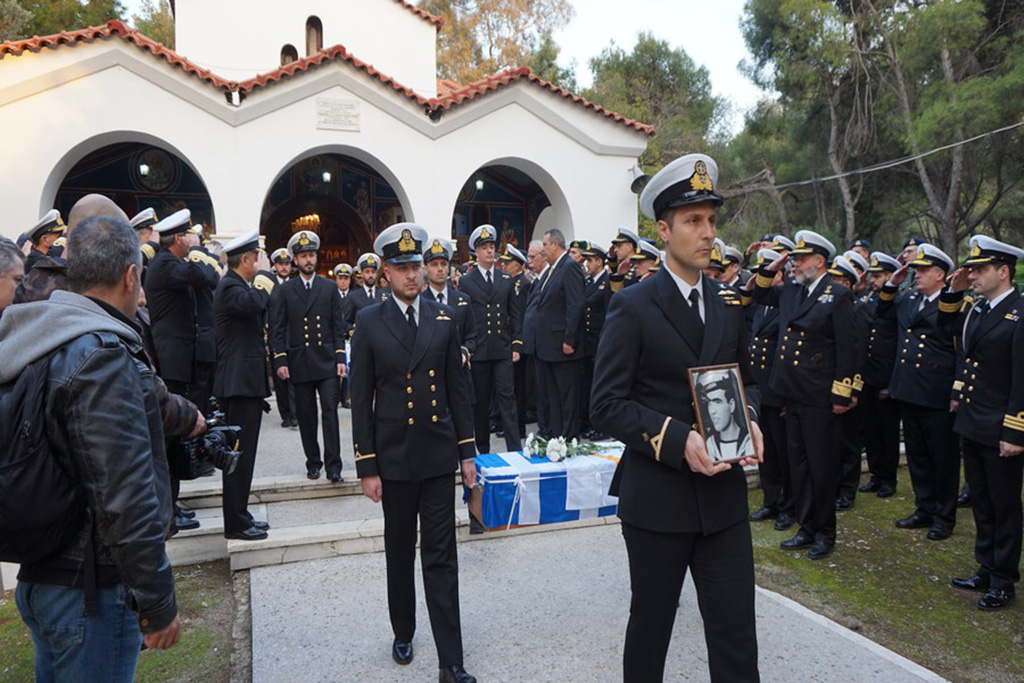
891, 585
206, 606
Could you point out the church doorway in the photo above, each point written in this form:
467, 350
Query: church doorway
343, 200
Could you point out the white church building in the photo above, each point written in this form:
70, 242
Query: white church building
316, 114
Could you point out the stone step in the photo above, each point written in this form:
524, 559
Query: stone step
207, 543
206, 491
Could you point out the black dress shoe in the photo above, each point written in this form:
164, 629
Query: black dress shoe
475, 527
346, 404
939, 533
250, 534
184, 523
870, 487
914, 521
455, 674
764, 514
996, 599
401, 652
286, 423
964, 501
843, 503
820, 549
312, 472
335, 477
182, 512
886, 490
784, 521
799, 542
974, 584
260, 524
500, 433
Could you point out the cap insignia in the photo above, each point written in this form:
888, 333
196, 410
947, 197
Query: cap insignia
436, 247
485, 234
920, 253
716, 250
303, 239
801, 244
975, 251
874, 261
406, 244
700, 180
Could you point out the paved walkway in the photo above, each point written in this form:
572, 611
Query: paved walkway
541, 607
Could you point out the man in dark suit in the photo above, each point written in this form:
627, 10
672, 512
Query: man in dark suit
367, 293
922, 380
560, 308
536, 400
817, 357
240, 384
990, 413
307, 336
879, 412
513, 262
776, 479
281, 261
496, 312
411, 428
170, 285
206, 339
597, 293
680, 512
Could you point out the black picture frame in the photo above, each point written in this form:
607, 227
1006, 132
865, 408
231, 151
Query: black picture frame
718, 393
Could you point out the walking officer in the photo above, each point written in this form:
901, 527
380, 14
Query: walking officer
367, 292
240, 383
412, 428
307, 337
680, 512
990, 414
281, 261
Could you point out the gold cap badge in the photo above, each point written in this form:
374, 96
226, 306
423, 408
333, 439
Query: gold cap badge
406, 244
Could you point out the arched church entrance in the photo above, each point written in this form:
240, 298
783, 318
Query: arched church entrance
138, 176
342, 199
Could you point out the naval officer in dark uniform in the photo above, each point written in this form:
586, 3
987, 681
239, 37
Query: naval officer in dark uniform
307, 337
281, 261
680, 512
990, 414
143, 223
814, 375
597, 293
42, 236
922, 380
367, 293
412, 428
497, 317
240, 383
436, 259
515, 263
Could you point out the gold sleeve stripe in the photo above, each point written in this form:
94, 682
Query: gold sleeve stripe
746, 299
465, 441
958, 385
365, 456
764, 281
1014, 422
263, 282
656, 442
949, 307
844, 388
858, 383
279, 355
149, 251
886, 296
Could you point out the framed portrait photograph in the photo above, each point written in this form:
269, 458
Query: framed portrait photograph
722, 415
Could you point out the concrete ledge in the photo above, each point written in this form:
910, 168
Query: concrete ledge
207, 543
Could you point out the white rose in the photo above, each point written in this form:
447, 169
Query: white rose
556, 450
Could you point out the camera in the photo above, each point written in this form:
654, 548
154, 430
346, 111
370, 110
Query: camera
217, 446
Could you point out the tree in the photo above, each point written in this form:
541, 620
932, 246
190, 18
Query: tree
13, 19
482, 37
156, 22
544, 64
54, 16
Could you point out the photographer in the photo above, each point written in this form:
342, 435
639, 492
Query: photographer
240, 383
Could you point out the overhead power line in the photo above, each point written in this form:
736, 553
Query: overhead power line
875, 167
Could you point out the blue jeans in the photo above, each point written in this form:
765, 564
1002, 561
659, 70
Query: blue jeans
73, 646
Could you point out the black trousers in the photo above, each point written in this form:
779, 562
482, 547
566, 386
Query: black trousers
722, 566
285, 393
586, 382
995, 494
201, 389
562, 384
493, 378
171, 444
520, 386
811, 433
541, 397
247, 413
433, 502
776, 480
850, 448
880, 426
305, 409
933, 458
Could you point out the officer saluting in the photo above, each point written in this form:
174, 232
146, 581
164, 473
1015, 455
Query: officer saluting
143, 223
990, 414
411, 428
679, 511
307, 336
240, 381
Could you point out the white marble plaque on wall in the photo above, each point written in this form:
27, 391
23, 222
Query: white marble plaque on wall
337, 114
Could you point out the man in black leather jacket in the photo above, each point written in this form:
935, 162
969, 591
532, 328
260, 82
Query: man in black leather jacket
93, 604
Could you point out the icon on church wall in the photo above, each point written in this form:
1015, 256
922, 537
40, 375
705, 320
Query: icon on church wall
510, 223
155, 170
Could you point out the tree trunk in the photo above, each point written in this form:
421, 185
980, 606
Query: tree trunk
849, 203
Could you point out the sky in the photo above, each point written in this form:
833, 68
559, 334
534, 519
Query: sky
708, 31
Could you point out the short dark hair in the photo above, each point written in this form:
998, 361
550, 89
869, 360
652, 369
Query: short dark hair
9, 255
165, 240
100, 249
235, 260
556, 236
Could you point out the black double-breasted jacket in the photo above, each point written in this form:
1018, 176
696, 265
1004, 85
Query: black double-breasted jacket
239, 315
598, 294
496, 314
307, 329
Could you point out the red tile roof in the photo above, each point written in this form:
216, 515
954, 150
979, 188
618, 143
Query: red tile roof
509, 76
450, 94
422, 14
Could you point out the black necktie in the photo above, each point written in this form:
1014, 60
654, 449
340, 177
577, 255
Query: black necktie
440, 297
411, 315
972, 326
488, 274
695, 304
590, 280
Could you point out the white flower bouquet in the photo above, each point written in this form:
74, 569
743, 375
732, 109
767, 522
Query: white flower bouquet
557, 450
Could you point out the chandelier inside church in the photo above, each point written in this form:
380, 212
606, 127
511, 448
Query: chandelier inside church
309, 222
